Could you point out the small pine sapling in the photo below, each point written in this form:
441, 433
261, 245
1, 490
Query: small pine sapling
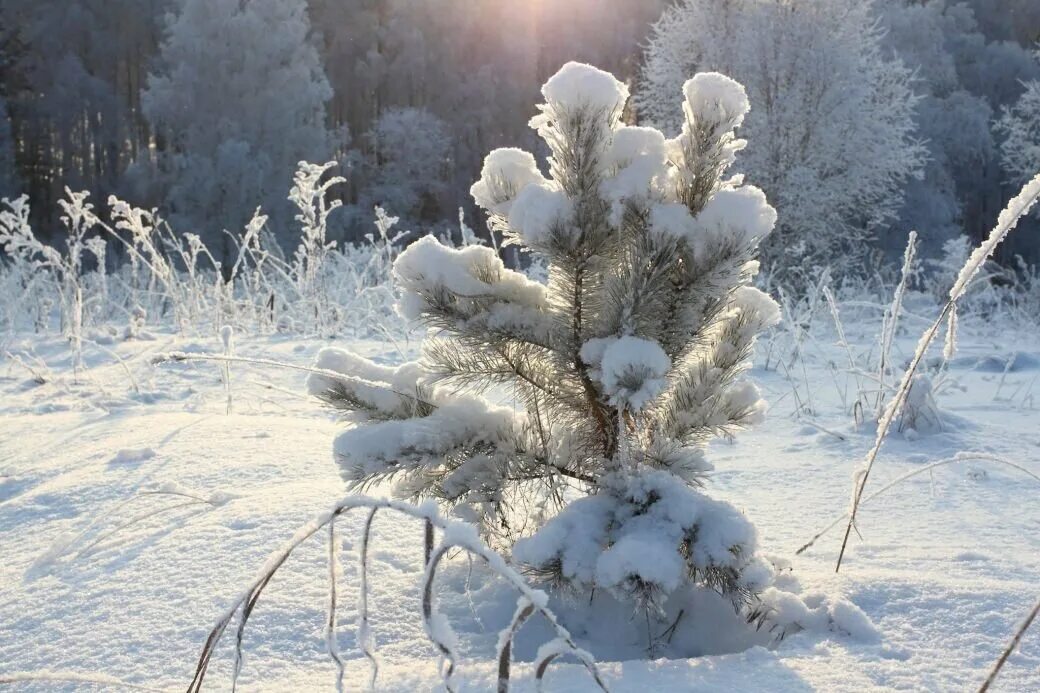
624, 365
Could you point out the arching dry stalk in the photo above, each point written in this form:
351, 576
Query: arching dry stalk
455, 535
427, 542
960, 457
543, 665
437, 628
524, 609
1018, 207
547, 654
364, 633
1010, 648
330, 625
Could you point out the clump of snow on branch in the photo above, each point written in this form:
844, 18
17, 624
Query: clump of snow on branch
538, 211
578, 87
657, 513
506, 172
632, 371
715, 98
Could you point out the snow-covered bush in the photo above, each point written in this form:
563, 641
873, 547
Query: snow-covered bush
30, 267
831, 128
169, 279
36, 262
626, 363
310, 196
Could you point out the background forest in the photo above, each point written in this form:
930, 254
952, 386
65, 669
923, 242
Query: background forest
178, 105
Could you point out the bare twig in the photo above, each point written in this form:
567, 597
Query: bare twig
1010, 648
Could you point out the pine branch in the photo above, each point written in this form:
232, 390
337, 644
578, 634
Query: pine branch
695, 408
341, 397
467, 316
478, 366
700, 291
598, 410
640, 291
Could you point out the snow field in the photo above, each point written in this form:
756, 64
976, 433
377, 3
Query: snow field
945, 571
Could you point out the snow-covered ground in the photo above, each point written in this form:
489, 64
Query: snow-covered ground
101, 576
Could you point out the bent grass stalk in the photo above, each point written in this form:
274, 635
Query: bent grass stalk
962, 457
454, 535
1016, 209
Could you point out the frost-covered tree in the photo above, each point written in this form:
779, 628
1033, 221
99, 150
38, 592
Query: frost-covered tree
953, 123
407, 166
239, 100
831, 128
962, 77
624, 364
1020, 126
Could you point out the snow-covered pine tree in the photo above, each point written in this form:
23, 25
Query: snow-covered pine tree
625, 364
